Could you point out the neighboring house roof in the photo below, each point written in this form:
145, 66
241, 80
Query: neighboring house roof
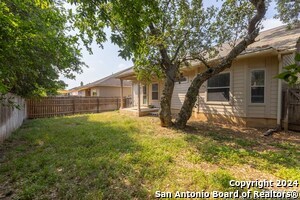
62, 91
74, 89
109, 81
128, 72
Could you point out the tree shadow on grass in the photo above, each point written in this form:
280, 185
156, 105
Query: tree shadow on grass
76, 157
227, 147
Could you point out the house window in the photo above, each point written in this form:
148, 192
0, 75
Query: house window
258, 86
218, 87
154, 91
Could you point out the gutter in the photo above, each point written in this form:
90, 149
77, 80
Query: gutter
248, 54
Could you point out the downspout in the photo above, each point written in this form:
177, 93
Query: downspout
279, 100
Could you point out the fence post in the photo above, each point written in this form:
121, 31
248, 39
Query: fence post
286, 119
98, 105
117, 103
74, 105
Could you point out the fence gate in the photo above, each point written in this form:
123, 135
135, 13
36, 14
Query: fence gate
292, 117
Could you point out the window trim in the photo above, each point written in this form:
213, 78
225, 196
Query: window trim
229, 87
155, 91
265, 84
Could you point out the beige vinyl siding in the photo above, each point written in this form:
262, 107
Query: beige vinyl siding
156, 103
238, 88
240, 100
107, 91
179, 94
272, 68
239, 104
135, 93
269, 108
180, 90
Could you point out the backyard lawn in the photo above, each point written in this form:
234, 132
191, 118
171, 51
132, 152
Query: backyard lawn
113, 156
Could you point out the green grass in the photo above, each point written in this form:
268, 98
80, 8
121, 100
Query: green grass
113, 156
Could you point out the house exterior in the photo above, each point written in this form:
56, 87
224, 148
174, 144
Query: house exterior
73, 91
109, 86
246, 94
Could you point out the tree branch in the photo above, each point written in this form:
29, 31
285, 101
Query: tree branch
163, 51
253, 31
179, 46
193, 91
204, 62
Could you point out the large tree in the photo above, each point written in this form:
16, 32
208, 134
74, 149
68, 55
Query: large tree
163, 36
35, 47
252, 31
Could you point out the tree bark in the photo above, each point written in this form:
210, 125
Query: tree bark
193, 91
170, 70
165, 114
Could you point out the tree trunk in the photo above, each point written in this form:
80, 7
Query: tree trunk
165, 104
165, 114
170, 70
193, 91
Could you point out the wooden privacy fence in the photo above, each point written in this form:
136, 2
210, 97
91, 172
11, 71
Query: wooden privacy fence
292, 109
56, 106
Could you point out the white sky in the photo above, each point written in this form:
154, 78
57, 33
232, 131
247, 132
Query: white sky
106, 61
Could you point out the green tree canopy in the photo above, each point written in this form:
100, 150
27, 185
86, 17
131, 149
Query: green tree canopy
35, 47
288, 11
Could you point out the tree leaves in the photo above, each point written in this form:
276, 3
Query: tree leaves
291, 73
35, 47
288, 11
